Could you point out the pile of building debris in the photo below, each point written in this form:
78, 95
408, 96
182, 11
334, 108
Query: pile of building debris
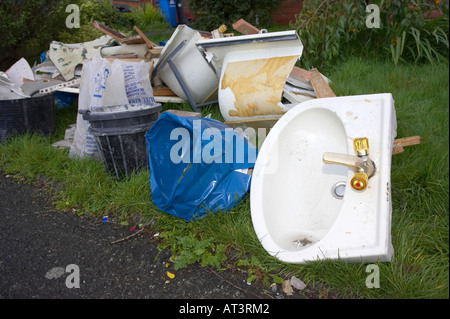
61, 66
192, 66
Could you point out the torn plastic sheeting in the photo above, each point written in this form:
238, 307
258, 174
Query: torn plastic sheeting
188, 182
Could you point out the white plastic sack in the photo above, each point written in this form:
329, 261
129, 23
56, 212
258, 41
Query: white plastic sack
107, 84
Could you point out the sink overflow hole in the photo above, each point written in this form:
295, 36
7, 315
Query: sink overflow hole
338, 190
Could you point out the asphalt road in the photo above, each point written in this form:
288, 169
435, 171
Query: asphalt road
47, 254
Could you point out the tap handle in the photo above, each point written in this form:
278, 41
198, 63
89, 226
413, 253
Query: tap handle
361, 146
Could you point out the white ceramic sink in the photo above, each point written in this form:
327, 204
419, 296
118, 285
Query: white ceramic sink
303, 209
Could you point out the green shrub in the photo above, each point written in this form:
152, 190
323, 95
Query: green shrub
85, 33
210, 14
28, 27
100, 10
147, 18
26, 20
333, 30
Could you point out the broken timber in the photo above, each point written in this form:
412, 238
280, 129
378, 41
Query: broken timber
150, 44
119, 37
244, 27
400, 143
321, 87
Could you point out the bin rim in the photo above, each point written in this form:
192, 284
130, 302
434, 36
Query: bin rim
93, 115
116, 131
34, 98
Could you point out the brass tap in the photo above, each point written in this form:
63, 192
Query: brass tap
361, 146
361, 164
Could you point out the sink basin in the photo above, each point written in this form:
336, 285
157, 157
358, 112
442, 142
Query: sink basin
303, 209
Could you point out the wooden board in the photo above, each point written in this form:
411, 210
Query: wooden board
111, 32
301, 74
244, 27
119, 37
320, 86
163, 91
185, 113
150, 44
400, 143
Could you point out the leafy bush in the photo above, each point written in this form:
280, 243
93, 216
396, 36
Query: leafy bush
147, 18
210, 14
100, 10
29, 26
85, 33
331, 30
24, 20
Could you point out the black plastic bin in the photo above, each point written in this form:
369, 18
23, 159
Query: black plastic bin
34, 115
119, 132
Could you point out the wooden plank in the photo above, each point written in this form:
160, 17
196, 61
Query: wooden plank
135, 39
301, 74
119, 37
320, 86
244, 27
153, 53
185, 113
150, 44
111, 32
167, 99
400, 143
163, 91
150, 72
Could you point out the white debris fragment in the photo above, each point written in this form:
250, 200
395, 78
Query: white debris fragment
297, 283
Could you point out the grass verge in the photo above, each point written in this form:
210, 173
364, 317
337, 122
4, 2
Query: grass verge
420, 179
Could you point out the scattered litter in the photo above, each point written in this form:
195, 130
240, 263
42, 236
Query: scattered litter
20, 71
55, 273
68, 138
105, 219
287, 288
9, 90
274, 287
170, 275
297, 283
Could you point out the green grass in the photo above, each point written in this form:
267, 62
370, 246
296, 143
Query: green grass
420, 179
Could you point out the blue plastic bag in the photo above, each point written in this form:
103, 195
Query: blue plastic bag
193, 165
